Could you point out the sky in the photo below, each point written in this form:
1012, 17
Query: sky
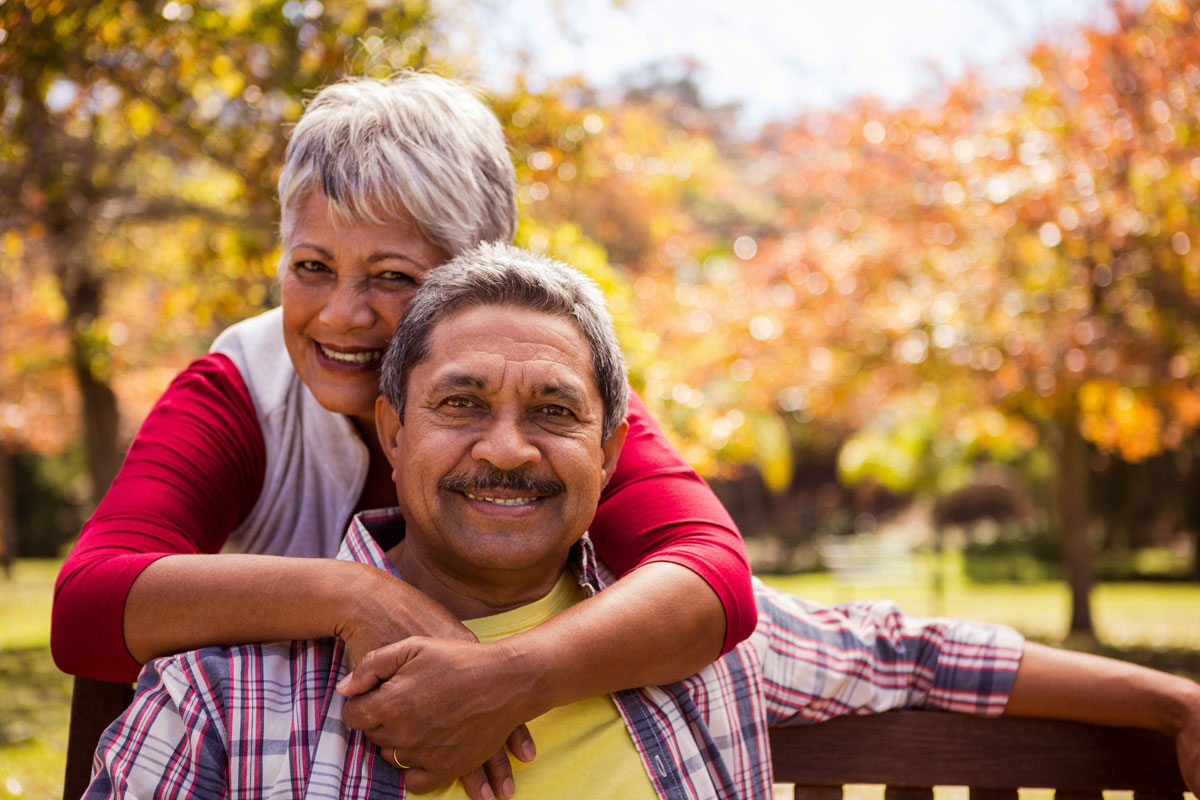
774, 57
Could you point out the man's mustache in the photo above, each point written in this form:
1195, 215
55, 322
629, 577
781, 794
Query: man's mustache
505, 480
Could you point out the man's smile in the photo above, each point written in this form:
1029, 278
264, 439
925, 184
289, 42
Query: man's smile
500, 487
503, 501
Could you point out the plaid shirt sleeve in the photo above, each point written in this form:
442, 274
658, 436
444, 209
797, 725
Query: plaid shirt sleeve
171, 741
820, 662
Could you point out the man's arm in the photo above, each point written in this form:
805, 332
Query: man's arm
1061, 684
165, 745
821, 662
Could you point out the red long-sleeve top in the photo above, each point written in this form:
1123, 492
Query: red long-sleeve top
196, 469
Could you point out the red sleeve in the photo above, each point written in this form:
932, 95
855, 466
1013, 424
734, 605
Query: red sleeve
656, 508
193, 472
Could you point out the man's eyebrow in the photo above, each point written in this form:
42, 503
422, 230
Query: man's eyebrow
567, 393
459, 380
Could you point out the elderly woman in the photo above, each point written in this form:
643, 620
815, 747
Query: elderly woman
262, 451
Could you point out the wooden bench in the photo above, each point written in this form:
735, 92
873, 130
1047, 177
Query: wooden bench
94, 705
912, 751
908, 751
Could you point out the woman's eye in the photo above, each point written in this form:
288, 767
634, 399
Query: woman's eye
402, 278
311, 267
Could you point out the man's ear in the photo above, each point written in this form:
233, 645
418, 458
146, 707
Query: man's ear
612, 451
387, 426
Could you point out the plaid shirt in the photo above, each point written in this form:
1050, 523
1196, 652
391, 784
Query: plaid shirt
265, 721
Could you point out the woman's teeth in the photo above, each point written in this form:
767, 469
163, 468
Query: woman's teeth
351, 358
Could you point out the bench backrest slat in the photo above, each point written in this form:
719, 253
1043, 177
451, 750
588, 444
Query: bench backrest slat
919, 749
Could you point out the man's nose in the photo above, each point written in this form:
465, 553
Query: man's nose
347, 307
505, 446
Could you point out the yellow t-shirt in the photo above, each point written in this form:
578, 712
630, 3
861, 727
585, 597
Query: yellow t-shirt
584, 749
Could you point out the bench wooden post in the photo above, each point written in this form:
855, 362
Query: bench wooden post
94, 705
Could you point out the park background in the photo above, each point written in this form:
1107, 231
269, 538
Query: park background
937, 342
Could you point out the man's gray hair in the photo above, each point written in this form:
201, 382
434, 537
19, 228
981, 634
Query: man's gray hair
501, 274
414, 144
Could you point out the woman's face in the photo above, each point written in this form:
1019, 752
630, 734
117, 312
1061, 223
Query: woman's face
344, 289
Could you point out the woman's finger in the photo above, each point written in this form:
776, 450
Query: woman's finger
376, 667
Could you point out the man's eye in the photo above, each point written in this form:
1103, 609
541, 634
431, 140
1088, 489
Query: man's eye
457, 402
556, 411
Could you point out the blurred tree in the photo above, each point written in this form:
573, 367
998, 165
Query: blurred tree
975, 275
139, 144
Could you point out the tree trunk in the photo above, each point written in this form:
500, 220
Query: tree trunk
100, 415
8, 517
100, 418
1073, 523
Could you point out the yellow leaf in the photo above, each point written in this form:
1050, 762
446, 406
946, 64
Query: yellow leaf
141, 117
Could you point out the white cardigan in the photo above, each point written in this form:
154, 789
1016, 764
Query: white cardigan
316, 463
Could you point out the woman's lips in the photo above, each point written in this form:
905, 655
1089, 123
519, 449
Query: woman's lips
356, 359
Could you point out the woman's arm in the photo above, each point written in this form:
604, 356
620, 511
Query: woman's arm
192, 473
183, 602
656, 509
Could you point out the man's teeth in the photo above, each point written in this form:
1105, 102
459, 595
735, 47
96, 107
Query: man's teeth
351, 358
503, 501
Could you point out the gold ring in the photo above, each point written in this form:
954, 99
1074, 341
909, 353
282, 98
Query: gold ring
396, 758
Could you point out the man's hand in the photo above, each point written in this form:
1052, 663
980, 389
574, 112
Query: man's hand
442, 707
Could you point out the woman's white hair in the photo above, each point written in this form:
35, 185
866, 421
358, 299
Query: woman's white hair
413, 145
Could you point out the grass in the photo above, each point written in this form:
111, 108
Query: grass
35, 697
1154, 624
25, 603
1126, 614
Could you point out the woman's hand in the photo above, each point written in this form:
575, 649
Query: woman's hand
442, 707
382, 609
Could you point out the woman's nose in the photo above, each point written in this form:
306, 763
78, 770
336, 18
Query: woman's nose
347, 307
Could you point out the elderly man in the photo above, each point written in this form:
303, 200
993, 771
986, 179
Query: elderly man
502, 417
